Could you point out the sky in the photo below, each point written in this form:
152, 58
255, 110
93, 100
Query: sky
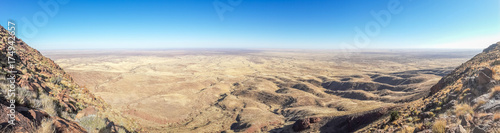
281, 24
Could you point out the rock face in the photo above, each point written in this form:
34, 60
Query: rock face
43, 91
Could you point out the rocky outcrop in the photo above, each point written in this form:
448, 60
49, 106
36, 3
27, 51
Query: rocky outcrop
65, 126
304, 124
41, 85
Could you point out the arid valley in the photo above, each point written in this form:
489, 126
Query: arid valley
249, 66
225, 90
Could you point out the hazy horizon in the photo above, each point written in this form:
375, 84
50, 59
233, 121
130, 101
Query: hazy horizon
245, 24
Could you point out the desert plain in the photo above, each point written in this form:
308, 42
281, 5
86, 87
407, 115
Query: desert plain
215, 90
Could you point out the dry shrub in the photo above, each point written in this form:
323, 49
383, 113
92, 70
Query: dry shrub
92, 122
495, 71
407, 129
419, 126
48, 105
439, 126
463, 109
46, 126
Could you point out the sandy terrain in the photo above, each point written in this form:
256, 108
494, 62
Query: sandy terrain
253, 90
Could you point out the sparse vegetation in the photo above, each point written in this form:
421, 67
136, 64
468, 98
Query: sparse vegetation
463, 109
494, 91
56, 79
48, 105
495, 75
92, 123
46, 126
419, 126
496, 116
439, 126
494, 63
407, 129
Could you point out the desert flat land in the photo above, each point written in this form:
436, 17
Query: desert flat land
207, 90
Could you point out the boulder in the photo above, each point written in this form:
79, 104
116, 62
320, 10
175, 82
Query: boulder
484, 76
300, 125
488, 72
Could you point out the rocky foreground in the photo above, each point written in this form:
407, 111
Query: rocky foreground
47, 99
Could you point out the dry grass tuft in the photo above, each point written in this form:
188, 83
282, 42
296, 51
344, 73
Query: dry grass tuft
48, 105
419, 126
92, 122
46, 126
439, 126
463, 109
496, 116
407, 129
495, 71
495, 90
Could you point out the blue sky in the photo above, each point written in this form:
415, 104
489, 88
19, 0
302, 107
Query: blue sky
311, 24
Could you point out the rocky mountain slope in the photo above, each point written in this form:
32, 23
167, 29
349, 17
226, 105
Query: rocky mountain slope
47, 99
466, 100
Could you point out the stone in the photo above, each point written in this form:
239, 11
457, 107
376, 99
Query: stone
484, 76
460, 129
314, 119
488, 72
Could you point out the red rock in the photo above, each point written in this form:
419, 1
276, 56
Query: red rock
64, 126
